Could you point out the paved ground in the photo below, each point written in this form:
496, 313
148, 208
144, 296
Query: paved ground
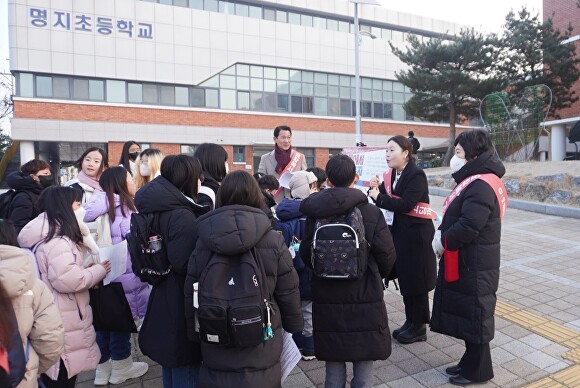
537, 341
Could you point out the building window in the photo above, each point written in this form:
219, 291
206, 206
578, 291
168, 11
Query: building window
309, 156
81, 89
26, 82
239, 154
188, 149
96, 90
115, 91
43, 86
134, 93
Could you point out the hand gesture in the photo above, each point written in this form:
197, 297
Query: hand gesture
106, 265
373, 193
375, 182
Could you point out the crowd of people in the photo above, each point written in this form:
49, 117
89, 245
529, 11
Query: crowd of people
231, 239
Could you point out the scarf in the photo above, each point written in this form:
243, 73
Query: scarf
87, 180
282, 158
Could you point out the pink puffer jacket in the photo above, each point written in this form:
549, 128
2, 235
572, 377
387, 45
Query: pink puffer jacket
60, 266
38, 318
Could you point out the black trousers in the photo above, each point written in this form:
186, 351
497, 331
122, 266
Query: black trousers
63, 381
476, 363
417, 308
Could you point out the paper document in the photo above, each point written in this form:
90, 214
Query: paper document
290, 355
117, 255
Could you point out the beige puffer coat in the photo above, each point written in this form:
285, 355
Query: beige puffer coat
38, 318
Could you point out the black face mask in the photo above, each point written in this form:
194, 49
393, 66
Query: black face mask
46, 181
133, 155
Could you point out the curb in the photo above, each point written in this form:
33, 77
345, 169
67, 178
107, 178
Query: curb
530, 206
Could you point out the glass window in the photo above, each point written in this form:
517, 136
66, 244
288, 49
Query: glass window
243, 70
282, 87
344, 92
332, 24
167, 95
378, 110
320, 90
180, 3
211, 5
295, 75
377, 95
333, 91
239, 154
388, 111
257, 84
398, 87
365, 109
243, 83
81, 89
306, 104
134, 93
282, 103
281, 16
181, 96
283, 74
407, 89
343, 26
269, 85
308, 156
150, 94
295, 88
226, 7
213, 82
188, 149
409, 116
227, 81
387, 85
320, 78
269, 14
243, 100
242, 10
333, 79
345, 106
306, 20
366, 94
307, 89
270, 72
296, 104
398, 98
211, 98
197, 4
115, 91
26, 88
377, 84
270, 102
255, 12
197, 97
320, 106
365, 28
307, 76
366, 83
387, 96
344, 80
256, 101
44, 86
333, 107
398, 112
165, 1
319, 22
227, 99
293, 18
257, 71
96, 90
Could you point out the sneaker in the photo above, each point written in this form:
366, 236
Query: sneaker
308, 356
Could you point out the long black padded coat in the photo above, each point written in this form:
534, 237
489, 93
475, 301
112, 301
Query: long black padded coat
230, 231
349, 316
23, 207
416, 264
465, 309
163, 336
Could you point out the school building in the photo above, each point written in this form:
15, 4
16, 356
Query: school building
172, 74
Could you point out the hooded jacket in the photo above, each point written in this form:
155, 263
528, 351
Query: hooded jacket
136, 291
230, 231
38, 318
163, 335
465, 309
61, 269
23, 207
349, 316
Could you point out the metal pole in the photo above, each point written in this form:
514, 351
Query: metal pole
357, 119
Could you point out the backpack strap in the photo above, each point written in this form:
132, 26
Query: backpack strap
269, 333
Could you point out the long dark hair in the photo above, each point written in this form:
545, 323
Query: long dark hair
114, 181
8, 234
6, 323
104, 163
240, 188
212, 158
124, 160
183, 172
56, 202
405, 144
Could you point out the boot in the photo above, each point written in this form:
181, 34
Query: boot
127, 369
401, 329
417, 332
103, 373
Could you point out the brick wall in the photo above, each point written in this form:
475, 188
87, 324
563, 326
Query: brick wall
563, 13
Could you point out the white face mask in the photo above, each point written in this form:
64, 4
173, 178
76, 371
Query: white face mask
456, 163
144, 170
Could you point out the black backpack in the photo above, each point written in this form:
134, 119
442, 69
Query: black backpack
148, 253
6, 202
234, 304
339, 246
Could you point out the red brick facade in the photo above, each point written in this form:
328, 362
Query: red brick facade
563, 13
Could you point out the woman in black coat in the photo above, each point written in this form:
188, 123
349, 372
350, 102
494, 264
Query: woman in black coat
236, 227
412, 235
464, 308
214, 163
33, 177
163, 336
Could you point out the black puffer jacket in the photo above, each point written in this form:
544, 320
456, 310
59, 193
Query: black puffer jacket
163, 336
229, 231
349, 317
465, 309
23, 208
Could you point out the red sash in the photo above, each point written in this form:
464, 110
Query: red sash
290, 167
421, 209
4, 359
492, 180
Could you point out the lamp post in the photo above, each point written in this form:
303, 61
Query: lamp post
357, 34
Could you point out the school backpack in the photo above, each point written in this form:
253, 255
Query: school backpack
233, 301
339, 246
148, 252
5, 201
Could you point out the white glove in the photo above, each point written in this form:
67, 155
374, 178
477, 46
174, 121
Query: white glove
436, 244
